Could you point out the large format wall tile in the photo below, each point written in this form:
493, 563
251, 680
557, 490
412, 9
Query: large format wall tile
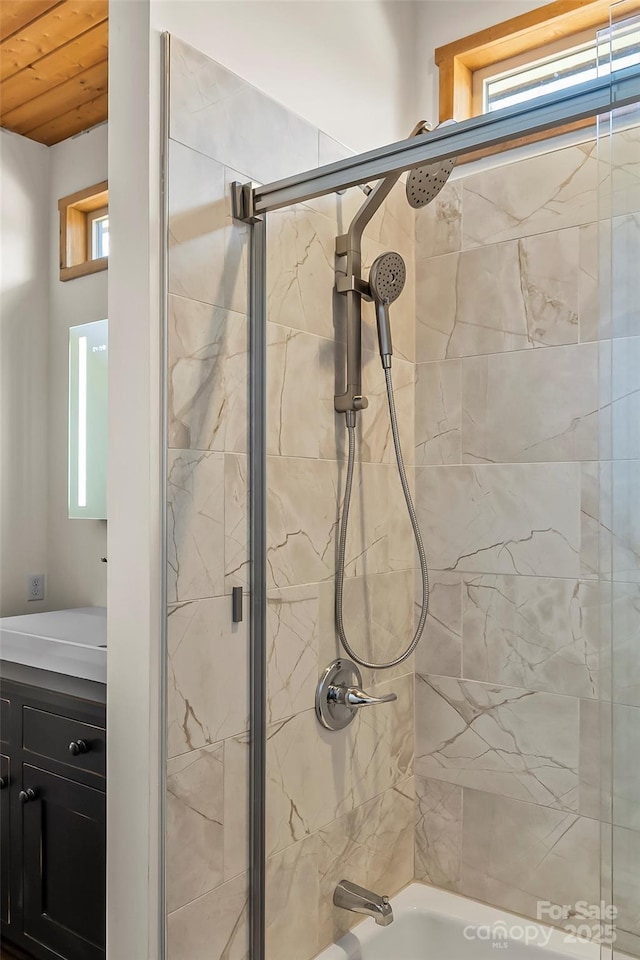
195, 824
507, 296
195, 525
547, 192
438, 401
207, 377
308, 779
367, 550
624, 520
378, 613
301, 270
624, 277
621, 148
207, 258
371, 846
438, 832
214, 926
516, 854
291, 907
383, 752
624, 386
503, 740
626, 772
236, 806
203, 705
532, 405
595, 738
293, 401
219, 114
595, 546
507, 518
292, 650
301, 520
625, 630
315, 776
589, 283
626, 886
532, 632
439, 224
440, 650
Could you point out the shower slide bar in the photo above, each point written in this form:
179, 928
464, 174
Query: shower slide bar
589, 99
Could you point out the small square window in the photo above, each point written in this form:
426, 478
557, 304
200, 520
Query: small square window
84, 232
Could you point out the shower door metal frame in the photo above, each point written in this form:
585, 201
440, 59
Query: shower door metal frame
251, 204
586, 100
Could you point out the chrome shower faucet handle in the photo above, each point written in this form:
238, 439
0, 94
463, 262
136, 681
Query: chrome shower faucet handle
339, 695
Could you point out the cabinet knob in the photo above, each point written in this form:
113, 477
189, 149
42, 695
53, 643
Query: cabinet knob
77, 747
4, 782
27, 795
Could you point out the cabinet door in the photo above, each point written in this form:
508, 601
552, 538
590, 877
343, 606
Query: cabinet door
5, 838
64, 858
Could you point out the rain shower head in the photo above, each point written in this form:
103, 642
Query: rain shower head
386, 281
425, 183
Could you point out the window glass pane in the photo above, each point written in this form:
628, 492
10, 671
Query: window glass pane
100, 238
563, 70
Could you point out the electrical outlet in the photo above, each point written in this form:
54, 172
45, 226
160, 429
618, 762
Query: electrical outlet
35, 586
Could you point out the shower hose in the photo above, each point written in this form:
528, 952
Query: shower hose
342, 544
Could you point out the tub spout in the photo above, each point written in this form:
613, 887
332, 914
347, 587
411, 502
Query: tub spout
349, 896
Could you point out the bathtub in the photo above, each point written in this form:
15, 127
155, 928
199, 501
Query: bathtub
431, 924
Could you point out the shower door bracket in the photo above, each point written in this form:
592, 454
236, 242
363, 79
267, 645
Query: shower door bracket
242, 202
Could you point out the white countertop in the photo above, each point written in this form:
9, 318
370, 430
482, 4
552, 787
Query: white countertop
72, 642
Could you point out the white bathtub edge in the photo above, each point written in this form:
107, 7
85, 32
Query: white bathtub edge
421, 897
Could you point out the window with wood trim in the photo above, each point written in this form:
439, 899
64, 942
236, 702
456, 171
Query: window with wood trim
84, 232
535, 38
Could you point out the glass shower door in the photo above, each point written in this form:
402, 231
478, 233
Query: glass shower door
619, 152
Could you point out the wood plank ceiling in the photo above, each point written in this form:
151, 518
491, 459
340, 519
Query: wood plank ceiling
53, 67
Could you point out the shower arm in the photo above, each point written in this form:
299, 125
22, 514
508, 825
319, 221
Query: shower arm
349, 283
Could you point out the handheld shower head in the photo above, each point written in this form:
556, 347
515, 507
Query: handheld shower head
425, 183
386, 280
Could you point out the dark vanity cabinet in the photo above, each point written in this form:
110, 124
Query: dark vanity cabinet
53, 806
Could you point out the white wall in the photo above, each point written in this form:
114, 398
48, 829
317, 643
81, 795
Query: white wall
75, 575
442, 21
37, 310
346, 67
24, 306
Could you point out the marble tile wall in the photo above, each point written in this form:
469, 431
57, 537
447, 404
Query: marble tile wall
484, 777
526, 477
338, 804
207, 669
